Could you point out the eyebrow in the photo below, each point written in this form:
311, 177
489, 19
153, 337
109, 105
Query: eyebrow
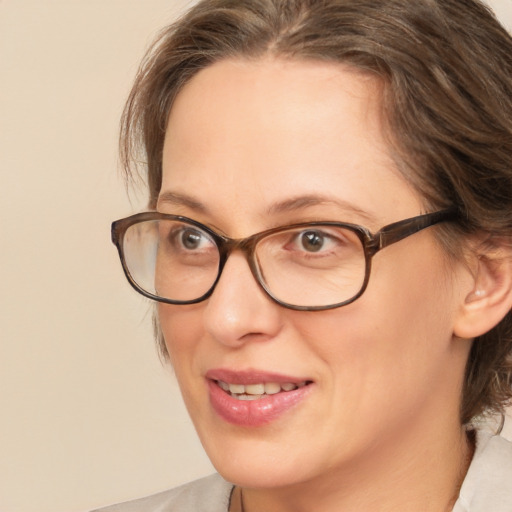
176, 199
293, 204
306, 201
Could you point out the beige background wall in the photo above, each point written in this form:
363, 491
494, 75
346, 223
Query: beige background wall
88, 415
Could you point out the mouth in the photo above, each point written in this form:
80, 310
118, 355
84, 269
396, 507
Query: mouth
259, 390
254, 398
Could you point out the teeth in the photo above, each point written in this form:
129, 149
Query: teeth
223, 385
248, 397
255, 391
271, 388
237, 388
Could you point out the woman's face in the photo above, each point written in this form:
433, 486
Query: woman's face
254, 145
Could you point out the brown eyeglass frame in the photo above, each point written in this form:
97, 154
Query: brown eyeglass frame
371, 242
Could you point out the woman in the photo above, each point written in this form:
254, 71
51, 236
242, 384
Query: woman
329, 247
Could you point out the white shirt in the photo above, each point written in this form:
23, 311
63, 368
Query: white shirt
488, 483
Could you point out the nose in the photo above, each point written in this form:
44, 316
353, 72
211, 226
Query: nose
239, 310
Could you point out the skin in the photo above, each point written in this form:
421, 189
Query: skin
380, 427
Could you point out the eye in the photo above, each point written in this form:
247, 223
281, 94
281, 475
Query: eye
319, 242
316, 241
309, 248
184, 238
191, 239
312, 241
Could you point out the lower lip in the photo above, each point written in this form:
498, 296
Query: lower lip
254, 413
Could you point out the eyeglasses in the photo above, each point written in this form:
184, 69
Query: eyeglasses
308, 266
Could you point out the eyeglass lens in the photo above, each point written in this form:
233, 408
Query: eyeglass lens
307, 266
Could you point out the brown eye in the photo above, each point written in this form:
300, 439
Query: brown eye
312, 241
192, 239
189, 239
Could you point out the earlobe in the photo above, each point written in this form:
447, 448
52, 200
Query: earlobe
490, 298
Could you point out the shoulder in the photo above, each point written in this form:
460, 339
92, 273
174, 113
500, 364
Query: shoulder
487, 485
210, 494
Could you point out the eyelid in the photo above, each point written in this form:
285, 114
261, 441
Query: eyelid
216, 229
327, 232
204, 233
325, 239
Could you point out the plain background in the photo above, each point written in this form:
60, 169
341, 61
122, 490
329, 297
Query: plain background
88, 415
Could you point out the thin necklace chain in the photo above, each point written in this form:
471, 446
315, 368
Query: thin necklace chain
237, 501
242, 508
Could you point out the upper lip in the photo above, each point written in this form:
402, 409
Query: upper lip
252, 376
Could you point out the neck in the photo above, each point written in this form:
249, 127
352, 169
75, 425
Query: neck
416, 473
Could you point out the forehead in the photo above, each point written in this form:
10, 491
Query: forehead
277, 95
252, 133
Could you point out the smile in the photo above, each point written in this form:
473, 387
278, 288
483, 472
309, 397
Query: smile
254, 398
258, 390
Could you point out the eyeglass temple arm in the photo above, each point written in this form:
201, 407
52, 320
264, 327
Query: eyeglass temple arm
397, 231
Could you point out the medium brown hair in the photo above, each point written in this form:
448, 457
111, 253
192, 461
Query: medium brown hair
446, 71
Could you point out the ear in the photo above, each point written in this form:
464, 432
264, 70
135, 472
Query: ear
490, 298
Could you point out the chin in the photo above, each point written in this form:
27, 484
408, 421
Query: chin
256, 460
255, 476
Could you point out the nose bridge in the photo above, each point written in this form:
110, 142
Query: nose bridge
246, 246
238, 308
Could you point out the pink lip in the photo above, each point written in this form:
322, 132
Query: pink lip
253, 413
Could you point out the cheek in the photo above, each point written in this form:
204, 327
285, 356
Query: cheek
396, 340
181, 328
414, 308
